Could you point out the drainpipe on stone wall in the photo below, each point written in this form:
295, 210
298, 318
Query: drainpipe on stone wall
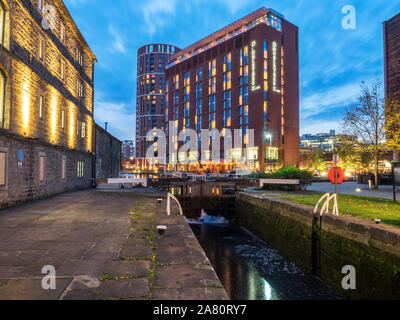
94, 156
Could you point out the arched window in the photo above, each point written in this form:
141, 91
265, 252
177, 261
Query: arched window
2, 97
2, 21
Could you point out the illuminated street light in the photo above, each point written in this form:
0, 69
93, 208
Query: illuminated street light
269, 136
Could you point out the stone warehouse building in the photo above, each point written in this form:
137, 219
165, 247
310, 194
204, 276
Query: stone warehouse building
46, 102
108, 154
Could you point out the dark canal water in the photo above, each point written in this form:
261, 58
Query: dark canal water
250, 269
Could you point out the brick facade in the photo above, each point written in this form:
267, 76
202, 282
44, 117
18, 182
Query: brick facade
245, 76
391, 34
150, 95
48, 102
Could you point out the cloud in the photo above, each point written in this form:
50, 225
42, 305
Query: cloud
118, 42
333, 98
157, 14
121, 121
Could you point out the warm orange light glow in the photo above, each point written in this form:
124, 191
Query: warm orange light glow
71, 135
89, 128
26, 105
53, 119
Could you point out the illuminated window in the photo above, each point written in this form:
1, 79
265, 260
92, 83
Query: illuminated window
62, 32
2, 97
63, 118
3, 168
41, 100
79, 88
265, 49
79, 56
80, 169
41, 48
265, 111
2, 22
83, 133
271, 153
62, 69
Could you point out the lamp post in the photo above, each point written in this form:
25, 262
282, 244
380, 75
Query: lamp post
269, 136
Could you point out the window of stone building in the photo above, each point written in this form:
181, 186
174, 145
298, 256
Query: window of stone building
79, 88
2, 97
78, 128
2, 22
41, 48
83, 133
79, 56
62, 69
63, 118
3, 168
42, 163
41, 102
80, 169
63, 167
62, 32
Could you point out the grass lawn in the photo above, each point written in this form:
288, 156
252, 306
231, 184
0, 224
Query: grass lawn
367, 208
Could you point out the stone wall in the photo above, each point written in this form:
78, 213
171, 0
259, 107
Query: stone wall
374, 250
23, 182
108, 154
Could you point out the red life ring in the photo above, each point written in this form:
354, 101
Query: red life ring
340, 175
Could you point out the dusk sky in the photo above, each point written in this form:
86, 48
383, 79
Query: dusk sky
333, 61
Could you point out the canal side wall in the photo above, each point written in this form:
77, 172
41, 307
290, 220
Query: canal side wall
374, 250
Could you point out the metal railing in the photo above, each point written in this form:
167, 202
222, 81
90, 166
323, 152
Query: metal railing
169, 197
325, 207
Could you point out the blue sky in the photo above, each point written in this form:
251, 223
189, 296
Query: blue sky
333, 61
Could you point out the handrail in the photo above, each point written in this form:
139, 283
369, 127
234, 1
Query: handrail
325, 207
169, 196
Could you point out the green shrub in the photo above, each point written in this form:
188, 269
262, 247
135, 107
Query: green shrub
284, 173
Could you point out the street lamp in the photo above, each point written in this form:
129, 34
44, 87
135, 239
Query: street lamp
269, 136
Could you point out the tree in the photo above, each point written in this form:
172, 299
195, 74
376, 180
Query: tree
365, 120
351, 155
392, 124
315, 161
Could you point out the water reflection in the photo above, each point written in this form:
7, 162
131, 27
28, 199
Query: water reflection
251, 270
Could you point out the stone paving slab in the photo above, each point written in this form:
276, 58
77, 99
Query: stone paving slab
139, 252
31, 289
184, 276
138, 269
103, 245
180, 255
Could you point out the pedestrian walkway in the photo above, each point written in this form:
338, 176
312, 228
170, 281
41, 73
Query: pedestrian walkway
103, 245
354, 188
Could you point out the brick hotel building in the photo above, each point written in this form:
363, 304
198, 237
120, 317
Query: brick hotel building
391, 36
244, 76
150, 91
